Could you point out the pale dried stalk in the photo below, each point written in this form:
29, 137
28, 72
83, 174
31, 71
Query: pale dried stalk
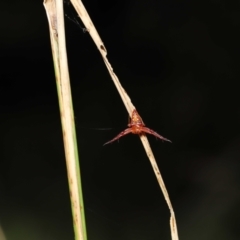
2, 236
79, 7
54, 10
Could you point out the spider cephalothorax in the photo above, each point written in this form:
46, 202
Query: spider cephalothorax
136, 126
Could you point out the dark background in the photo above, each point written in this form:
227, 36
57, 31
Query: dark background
179, 62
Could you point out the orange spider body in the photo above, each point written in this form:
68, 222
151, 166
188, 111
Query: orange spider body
136, 126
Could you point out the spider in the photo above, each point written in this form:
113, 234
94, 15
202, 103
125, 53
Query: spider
136, 126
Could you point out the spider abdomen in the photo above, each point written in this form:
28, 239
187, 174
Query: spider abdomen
136, 129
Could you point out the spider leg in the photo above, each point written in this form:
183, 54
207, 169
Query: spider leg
150, 131
121, 134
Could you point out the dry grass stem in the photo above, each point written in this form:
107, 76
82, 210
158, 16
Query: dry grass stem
55, 15
79, 7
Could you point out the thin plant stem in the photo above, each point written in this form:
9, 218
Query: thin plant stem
54, 10
83, 14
